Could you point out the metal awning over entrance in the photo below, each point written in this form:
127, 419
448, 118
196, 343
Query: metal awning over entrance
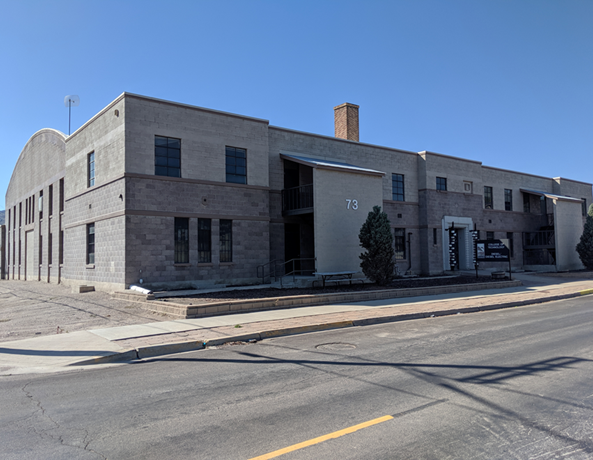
329, 164
551, 195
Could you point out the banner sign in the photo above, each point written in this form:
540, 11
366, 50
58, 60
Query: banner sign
492, 251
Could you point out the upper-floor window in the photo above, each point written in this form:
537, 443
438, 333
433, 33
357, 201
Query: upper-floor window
61, 195
508, 199
487, 197
397, 187
526, 203
40, 204
236, 165
90, 168
442, 184
167, 156
50, 201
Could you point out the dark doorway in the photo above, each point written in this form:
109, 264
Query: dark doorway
292, 245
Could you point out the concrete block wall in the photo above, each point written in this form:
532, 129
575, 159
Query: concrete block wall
369, 156
40, 165
150, 249
104, 134
204, 134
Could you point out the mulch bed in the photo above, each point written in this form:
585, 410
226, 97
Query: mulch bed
264, 293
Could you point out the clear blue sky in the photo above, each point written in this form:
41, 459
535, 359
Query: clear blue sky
505, 82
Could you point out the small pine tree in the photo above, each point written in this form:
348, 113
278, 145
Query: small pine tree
375, 236
585, 246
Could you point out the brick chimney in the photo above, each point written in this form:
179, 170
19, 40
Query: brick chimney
346, 121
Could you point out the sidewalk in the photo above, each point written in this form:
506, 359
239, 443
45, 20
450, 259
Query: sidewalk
78, 350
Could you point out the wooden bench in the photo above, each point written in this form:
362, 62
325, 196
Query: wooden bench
335, 276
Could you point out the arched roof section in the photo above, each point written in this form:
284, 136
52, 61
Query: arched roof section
41, 162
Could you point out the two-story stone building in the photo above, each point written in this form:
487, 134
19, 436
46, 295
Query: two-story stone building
170, 195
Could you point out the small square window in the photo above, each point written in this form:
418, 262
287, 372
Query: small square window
442, 184
236, 165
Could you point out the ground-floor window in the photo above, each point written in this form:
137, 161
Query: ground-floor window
399, 237
204, 240
489, 235
226, 240
511, 244
181, 240
90, 243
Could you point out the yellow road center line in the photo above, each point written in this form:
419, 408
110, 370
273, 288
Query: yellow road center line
335, 434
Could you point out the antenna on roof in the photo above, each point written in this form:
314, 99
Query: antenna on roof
71, 101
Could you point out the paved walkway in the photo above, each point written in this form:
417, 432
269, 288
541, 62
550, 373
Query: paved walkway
83, 349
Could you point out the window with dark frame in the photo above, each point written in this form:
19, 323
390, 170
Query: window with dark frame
442, 184
204, 241
181, 240
167, 156
508, 199
61, 195
40, 204
526, 203
50, 251
90, 169
489, 235
397, 187
236, 165
511, 244
90, 244
399, 239
61, 248
40, 249
226, 240
487, 197
50, 201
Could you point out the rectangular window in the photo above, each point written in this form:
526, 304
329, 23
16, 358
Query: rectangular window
167, 156
526, 203
61, 195
90, 244
584, 206
204, 240
61, 248
508, 199
40, 249
50, 251
434, 236
511, 245
50, 201
181, 240
442, 184
33, 208
40, 204
9, 220
397, 187
21, 214
26, 211
226, 240
489, 235
487, 197
236, 165
90, 162
399, 237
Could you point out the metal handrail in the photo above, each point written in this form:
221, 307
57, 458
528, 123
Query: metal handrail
272, 271
294, 270
297, 198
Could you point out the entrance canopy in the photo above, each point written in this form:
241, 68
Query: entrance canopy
551, 195
329, 164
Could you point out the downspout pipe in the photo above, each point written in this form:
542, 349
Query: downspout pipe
409, 251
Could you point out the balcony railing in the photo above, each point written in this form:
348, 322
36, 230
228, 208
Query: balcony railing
544, 239
297, 200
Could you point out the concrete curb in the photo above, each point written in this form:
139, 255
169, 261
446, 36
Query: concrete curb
179, 347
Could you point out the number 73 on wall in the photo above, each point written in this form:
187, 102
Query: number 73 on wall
352, 204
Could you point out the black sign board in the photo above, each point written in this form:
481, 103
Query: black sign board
492, 251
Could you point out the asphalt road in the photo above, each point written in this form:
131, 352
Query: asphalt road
505, 384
